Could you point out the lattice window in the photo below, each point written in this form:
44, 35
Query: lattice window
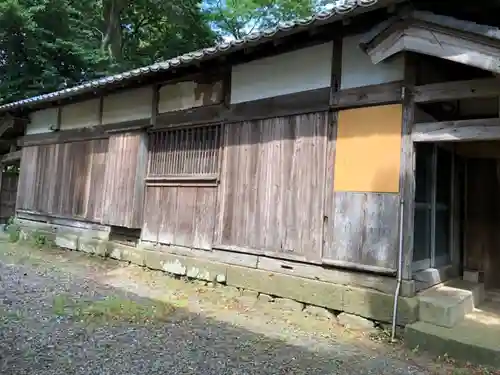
185, 152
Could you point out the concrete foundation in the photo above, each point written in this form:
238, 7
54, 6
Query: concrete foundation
364, 302
476, 339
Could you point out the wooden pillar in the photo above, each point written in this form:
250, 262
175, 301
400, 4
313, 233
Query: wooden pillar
407, 171
331, 137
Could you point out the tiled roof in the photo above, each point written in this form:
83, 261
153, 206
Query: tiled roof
336, 11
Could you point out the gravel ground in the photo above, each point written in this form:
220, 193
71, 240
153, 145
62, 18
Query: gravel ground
58, 316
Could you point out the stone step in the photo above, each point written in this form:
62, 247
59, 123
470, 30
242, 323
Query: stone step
446, 305
476, 339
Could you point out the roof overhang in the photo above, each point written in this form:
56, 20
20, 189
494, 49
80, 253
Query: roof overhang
439, 36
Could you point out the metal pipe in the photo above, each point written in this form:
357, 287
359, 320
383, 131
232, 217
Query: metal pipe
399, 272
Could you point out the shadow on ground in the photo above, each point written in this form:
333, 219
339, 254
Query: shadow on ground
40, 336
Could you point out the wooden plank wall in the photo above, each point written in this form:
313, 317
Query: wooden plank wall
8, 193
365, 229
272, 185
180, 215
124, 184
64, 179
181, 187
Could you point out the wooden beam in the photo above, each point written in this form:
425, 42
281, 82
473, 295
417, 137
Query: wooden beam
475, 88
82, 134
386, 93
441, 42
461, 130
11, 157
284, 105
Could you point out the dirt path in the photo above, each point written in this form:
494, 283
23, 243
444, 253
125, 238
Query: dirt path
67, 313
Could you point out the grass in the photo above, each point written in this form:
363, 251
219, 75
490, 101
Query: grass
113, 309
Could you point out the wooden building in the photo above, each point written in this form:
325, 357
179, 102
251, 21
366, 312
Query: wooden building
296, 157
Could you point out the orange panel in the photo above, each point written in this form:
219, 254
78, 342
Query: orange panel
368, 150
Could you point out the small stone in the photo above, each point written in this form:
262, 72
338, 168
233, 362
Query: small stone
289, 304
193, 273
356, 323
115, 254
265, 298
220, 278
204, 275
319, 312
175, 268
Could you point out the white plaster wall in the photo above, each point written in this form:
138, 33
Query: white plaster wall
80, 115
188, 94
359, 71
41, 121
128, 105
301, 70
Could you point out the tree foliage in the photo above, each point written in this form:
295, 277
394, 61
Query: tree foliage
46, 45
238, 18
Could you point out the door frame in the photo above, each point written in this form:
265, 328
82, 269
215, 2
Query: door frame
434, 261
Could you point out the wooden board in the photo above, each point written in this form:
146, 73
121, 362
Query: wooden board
368, 149
272, 185
365, 229
63, 179
124, 185
180, 215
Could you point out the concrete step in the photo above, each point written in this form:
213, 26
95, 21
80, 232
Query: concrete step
476, 339
446, 305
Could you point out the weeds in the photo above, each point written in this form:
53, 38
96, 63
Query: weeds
40, 240
14, 232
112, 309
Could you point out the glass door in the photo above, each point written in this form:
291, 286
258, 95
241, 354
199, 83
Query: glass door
433, 196
423, 206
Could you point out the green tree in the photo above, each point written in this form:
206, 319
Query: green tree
238, 18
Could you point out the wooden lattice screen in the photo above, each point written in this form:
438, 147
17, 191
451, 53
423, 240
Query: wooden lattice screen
184, 152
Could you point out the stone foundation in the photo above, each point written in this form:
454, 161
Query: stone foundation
316, 297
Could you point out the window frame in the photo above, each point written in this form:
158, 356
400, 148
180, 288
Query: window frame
189, 178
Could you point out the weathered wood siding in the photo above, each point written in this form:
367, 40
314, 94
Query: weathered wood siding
272, 185
8, 194
365, 229
64, 179
124, 184
180, 215
181, 188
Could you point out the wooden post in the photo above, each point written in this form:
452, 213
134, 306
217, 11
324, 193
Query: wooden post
331, 136
407, 171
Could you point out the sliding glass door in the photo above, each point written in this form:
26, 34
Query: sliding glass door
433, 197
